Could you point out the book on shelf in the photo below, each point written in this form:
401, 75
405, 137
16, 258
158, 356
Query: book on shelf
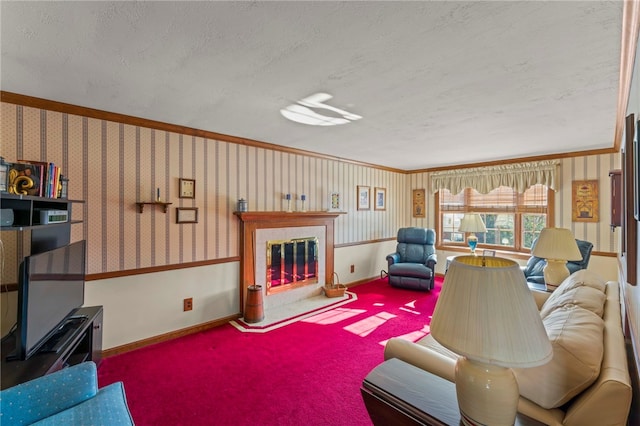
52, 181
44, 181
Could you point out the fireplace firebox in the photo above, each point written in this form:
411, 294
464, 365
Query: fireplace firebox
291, 263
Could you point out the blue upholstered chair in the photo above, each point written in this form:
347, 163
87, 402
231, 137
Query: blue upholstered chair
67, 397
413, 264
535, 265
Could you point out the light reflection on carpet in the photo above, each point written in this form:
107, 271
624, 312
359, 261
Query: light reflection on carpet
333, 316
369, 325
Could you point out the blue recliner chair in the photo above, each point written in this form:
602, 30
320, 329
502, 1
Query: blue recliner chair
535, 265
413, 264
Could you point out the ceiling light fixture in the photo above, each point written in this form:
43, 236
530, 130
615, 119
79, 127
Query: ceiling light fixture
301, 112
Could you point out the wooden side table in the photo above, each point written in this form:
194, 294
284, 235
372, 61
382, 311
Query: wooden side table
399, 393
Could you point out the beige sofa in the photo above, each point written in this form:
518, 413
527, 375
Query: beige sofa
587, 381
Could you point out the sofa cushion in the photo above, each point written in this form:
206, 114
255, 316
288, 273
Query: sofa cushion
108, 408
586, 297
582, 277
39, 398
576, 336
432, 344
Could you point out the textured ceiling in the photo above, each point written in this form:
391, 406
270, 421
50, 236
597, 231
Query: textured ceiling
437, 83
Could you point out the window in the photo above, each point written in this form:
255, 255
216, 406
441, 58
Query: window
512, 220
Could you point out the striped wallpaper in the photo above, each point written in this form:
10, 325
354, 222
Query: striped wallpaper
112, 165
594, 167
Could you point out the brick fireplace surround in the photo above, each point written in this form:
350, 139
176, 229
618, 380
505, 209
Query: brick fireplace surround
252, 222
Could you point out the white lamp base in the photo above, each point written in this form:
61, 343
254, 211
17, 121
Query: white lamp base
487, 394
554, 273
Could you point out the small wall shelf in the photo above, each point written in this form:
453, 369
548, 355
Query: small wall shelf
165, 206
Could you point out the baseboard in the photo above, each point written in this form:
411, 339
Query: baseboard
167, 336
362, 281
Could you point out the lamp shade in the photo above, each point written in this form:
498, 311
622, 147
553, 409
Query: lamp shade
556, 243
486, 313
472, 222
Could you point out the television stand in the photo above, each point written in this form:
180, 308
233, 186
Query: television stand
63, 334
78, 340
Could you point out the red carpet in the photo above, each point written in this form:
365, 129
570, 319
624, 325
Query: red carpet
307, 373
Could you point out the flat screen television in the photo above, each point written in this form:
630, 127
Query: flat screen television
50, 291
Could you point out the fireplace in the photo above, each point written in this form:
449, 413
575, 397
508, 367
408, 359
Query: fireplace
259, 228
291, 263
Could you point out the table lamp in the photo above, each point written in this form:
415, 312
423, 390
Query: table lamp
486, 314
472, 222
556, 246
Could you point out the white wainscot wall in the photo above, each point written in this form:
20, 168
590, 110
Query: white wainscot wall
368, 260
605, 266
139, 307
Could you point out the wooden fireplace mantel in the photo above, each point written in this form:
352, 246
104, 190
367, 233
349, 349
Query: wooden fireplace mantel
287, 217
252, 221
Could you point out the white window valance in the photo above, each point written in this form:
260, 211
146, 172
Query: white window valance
518, 176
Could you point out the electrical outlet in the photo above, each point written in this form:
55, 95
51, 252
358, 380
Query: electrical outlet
353, 268
188, 304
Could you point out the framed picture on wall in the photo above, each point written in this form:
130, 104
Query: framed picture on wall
364, 203
187, 188
380, 202
335, 203
584, 202
418, 203
629, 228
187, 215
636, 174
